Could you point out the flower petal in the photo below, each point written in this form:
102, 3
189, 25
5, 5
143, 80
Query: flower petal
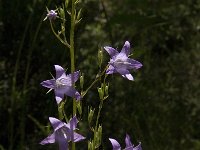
49, 83
134, 64
125, 73
115, 144
63, 145
78, 137
59, 94
138, 147
111, 51
128, 76
110, 70
128, 141
75, 76
59, 71
56, 124
66, 90
126, 48
72, 123
50, 139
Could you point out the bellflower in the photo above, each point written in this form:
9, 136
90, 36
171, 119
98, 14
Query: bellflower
63, 133
129, 145
120, 63
51, 15
62, 84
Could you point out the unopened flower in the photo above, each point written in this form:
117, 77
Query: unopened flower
129, 145
119, 62
63, 133
51, 15
63, 84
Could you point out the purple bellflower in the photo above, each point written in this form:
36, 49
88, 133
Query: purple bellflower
129, 145
62, 84
63, 133
119, 62
51, 15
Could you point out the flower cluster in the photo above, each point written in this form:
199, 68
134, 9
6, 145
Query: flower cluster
63, 85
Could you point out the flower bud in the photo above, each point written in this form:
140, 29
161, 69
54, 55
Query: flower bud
101, 93
66, 3
106, 89
79, 107
82, 81
100, 57
62, 13
90, 115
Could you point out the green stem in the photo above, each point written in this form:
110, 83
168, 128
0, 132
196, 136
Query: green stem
98, 115
58, 37
95, 81
72, 55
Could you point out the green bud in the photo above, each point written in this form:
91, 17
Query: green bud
79, 107
90, 115
101, 93
66, 3
62, 13
98, 136
100, 57
79, 14
106, 89
82, 80
90, 145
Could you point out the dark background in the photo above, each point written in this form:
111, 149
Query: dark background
161, 108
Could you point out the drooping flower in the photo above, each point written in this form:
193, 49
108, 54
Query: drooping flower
51, 15
62, 84
129, 145
63, 133
120, 62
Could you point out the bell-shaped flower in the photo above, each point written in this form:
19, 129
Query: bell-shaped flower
63, 133
120, 62
63, 84
129, 145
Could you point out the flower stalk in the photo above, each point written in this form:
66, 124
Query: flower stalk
72, 53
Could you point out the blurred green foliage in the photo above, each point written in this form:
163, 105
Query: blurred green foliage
160, 108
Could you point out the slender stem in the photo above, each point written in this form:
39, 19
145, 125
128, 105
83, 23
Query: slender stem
58, 37
72, 55
98, 115
93, 83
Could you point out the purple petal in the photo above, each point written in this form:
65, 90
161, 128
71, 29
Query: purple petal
50, 139
49, 83
111, 51
134, 64
115, 144
70, 91
63, 145
128, 141
72, 123
128, 76
56, 124
138, 147
110, 70
59, 94
126, 48
69, 78
78, 137
59, 71
125, 73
